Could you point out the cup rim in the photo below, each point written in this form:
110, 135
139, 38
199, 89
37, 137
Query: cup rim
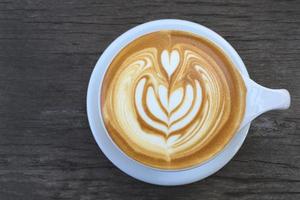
114, 48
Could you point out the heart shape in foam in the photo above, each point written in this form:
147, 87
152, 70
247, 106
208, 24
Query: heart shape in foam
178, 106
168, 110
170, 61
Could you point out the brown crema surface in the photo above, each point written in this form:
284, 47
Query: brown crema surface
172, 99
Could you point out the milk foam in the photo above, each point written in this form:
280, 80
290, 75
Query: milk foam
165, 100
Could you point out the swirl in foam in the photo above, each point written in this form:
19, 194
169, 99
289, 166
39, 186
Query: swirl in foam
172, 100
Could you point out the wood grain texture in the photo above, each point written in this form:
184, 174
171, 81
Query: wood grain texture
47, 52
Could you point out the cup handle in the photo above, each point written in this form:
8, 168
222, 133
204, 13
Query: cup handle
261, 99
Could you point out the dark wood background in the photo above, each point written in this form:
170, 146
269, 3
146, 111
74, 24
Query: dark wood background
48, 50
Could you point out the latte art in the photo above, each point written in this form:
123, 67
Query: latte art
172, 100
167, 108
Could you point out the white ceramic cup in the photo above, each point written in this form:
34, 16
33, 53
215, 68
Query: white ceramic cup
259, 100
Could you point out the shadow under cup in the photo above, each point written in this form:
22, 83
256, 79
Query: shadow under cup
172, 100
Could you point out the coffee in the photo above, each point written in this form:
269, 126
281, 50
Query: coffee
172, 99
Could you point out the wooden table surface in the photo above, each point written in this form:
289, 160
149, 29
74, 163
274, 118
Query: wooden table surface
48, 50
